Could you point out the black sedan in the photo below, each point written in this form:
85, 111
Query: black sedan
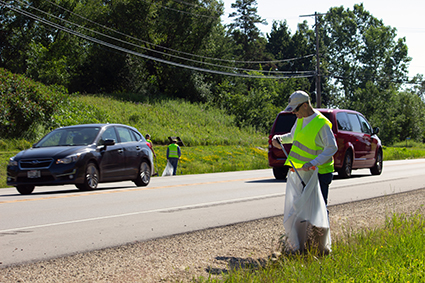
84, 155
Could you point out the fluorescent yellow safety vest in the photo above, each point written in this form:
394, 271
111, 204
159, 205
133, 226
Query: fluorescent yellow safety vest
304, 148
173, 151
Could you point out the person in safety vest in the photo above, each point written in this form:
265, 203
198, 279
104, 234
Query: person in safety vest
148, 139
174, 154
313, 142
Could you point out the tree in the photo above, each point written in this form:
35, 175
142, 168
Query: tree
418, 86
294, 52
169, 30
361, 49
250, 45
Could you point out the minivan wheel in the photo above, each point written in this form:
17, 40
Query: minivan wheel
91, 178
345, 171
280, 172
377, 168
25, 189
144, 175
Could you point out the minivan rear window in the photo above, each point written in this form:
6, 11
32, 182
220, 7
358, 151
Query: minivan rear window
284, 123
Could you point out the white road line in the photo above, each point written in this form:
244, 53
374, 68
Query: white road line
169, 209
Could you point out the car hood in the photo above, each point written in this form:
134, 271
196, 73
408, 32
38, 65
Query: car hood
53, 152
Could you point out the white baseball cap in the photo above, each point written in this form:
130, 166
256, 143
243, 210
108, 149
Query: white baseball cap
296, 99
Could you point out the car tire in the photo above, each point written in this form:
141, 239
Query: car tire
280, 173
377, 168
25, 189
347, 166
91, 178
144, 174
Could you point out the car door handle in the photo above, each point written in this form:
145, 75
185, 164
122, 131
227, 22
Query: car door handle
138, 147
120, 150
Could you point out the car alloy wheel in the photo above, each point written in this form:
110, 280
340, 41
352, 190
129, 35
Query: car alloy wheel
144, 175
91, 178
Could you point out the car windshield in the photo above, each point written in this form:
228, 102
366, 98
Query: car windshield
69, 137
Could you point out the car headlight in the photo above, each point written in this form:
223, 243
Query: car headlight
12, 161
68, 159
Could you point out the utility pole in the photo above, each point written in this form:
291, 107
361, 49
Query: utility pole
318, 89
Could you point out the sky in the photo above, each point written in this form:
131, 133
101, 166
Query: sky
406, 16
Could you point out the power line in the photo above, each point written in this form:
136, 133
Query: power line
167, 54
177, 51
95, 40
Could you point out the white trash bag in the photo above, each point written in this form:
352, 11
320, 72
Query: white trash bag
168, 171
305, 218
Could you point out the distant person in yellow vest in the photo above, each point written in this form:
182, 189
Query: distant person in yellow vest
173, 155
148, 139
313, 142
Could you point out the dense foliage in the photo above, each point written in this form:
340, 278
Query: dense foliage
180, 49
25, 104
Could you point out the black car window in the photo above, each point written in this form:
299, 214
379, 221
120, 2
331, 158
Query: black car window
365, 125
343, 122
125, 135
355, 123
108, 134
284, 123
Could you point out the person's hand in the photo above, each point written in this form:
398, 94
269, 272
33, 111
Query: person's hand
307, 166
275, 143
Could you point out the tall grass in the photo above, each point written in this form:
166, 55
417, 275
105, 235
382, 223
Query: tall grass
212, 159
399, 153
195, 124
394, 253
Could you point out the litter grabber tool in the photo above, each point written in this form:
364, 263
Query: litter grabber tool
290, 161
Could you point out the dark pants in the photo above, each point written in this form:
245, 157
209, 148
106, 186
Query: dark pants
174, 162
325, 180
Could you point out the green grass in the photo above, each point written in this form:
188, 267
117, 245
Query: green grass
394, 153
211, 159
195, 124
394, 253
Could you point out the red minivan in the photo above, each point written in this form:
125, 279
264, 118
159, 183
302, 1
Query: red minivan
358, 144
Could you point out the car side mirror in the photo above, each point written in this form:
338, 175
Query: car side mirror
108, 142
375, 131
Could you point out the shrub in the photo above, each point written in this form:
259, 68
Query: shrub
24, 104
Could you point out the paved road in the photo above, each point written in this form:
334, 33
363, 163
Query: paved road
57, 221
